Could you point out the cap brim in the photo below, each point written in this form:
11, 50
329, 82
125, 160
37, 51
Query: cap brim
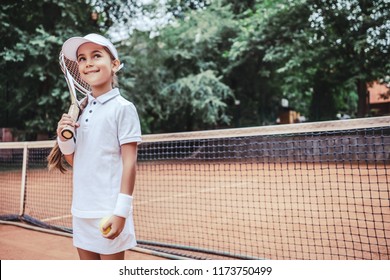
71, 46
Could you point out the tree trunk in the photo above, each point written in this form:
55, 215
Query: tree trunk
322, 105
363, 102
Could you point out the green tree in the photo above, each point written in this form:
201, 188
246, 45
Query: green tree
32, 32
355, 36
176, 76
250, 75
33, 93
199, 57
321, 53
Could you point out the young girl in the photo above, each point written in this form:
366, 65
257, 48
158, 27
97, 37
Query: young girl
103, 154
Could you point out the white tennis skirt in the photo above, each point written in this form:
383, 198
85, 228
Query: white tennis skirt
87, 236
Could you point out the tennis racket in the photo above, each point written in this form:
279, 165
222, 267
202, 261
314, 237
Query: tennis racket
72, 76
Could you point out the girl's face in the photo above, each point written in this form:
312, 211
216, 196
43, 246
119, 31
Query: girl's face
96, 67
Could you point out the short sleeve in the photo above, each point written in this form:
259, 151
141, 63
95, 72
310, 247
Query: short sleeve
129, 128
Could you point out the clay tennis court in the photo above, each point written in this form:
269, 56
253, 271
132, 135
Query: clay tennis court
280, 211
20, 243
23, 244
308, 191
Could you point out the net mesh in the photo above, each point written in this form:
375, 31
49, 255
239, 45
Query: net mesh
10, 181
307, 195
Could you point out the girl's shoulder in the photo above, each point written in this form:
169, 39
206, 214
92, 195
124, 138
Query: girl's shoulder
124, 106
123, 101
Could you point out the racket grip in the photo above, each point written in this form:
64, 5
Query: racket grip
68, 131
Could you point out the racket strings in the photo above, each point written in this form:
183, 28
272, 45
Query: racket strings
73, 69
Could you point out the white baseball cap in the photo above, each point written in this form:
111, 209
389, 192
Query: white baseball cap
70, 47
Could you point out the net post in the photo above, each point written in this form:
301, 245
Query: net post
23, 181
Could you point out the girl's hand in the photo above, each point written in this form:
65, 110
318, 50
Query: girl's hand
64, 121
117, 225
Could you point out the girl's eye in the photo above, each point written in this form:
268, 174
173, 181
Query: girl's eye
81, 59
97, 56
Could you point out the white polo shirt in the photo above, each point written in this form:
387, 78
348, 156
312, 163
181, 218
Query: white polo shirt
106, 123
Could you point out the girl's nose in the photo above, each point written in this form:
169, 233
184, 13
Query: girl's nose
89, 62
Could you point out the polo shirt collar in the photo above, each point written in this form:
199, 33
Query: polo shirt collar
105, 97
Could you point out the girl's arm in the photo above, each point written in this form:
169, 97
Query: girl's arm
66, 120
129, 161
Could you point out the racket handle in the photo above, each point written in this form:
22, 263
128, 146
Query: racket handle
68, 131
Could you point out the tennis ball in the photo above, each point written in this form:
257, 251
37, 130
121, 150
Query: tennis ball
102, 223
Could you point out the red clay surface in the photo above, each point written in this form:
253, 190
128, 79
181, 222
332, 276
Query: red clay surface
18, 243
273, 211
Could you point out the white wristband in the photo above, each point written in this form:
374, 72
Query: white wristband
124, 205
66, 147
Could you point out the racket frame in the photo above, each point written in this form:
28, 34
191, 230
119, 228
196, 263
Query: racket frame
68, 131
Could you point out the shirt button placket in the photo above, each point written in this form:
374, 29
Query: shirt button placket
90, 111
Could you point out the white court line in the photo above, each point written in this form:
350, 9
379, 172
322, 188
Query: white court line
161, 199
56, 218
188, 194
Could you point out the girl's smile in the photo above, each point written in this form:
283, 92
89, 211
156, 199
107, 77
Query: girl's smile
96, 67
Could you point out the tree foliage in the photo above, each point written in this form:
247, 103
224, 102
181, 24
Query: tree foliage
322, 53
32, 33
355, 35
177, 76
199, 64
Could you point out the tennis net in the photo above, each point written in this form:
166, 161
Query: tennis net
302, 191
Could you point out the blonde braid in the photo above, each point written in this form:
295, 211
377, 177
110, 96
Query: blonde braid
55, 159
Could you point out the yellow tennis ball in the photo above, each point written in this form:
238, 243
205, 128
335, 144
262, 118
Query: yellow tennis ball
102, 223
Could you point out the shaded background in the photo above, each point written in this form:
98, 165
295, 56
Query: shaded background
197, 64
